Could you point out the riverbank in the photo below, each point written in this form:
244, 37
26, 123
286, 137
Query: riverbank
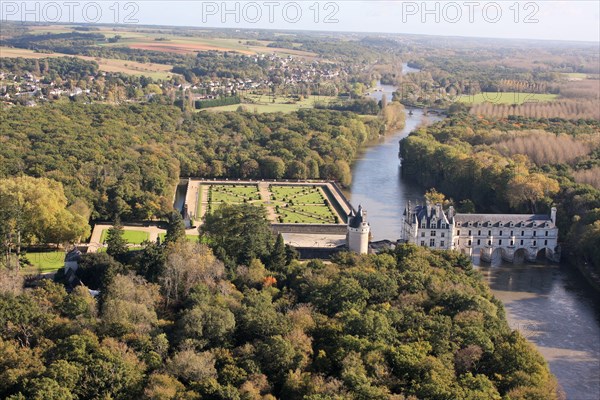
588, 273
552, 305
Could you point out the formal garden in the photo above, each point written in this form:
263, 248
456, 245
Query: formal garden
302, 205
288, 204
230, 194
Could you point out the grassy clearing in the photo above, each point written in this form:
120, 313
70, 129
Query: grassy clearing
44, 262
131, 236
264, 104
506, 98
574, 75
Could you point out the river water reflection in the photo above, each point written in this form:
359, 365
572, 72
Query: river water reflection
551, 305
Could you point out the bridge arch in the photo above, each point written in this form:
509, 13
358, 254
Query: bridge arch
497, 256
544, 255
520, 255
476, 255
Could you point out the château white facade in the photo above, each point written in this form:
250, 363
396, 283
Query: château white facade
358, 231
512, 237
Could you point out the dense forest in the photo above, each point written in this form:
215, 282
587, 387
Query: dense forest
518, 165
125, 160
173, 322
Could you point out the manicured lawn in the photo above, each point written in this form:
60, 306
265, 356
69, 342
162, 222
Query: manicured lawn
132, 237
42, 262
506, 98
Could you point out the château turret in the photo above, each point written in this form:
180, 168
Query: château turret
358, 231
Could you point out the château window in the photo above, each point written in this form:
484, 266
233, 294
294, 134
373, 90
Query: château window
512, 242
469, 233
422, 234
489, 242
522, 233
545, 243
546, 233
478, 233
489, 233
431, 242
432, 233
458, 232
442, 243
521, 242
478, 242
535, 243
443, 234
534, 232
422, 243
512, 233
500, 242
423, 225
443, 225
469, 242
500, 233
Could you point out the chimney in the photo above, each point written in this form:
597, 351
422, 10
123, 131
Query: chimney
553, 215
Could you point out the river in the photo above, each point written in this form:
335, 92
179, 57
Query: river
553, 306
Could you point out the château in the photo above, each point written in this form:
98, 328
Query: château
513, 237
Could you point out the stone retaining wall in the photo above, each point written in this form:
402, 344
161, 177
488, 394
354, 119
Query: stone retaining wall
331, 229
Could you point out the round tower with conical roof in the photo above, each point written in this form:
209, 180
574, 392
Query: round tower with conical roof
358, 231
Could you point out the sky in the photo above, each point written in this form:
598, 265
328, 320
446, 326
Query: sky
542, 19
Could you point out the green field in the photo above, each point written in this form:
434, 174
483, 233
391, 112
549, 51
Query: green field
178, 42
43, 262
264, 104
506, 98
132, 237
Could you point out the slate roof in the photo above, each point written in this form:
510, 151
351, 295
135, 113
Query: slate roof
422, 212
73, 255
355, 221
490, 220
